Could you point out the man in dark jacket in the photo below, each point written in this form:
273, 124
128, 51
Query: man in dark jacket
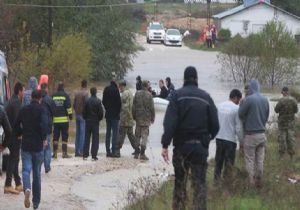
62, 115
12, 109
6, 131
32, 125
191, 120
92, 114
163, 90
49, 105
112, 104
139, 83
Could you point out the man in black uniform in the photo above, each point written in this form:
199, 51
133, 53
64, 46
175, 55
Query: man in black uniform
191, 120
62, 114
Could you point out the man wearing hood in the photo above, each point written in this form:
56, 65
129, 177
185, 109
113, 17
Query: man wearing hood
254, 112
32, 85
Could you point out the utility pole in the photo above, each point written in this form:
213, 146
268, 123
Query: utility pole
50, 23
189, 20
155, 10
208, 12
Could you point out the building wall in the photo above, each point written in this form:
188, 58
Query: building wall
253, 19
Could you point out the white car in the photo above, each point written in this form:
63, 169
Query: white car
173, 37
155, 32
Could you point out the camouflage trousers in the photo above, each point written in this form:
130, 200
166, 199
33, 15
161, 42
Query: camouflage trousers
286, 141
141, 135
123, 131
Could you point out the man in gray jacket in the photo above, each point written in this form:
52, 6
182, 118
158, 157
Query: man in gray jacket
254, 112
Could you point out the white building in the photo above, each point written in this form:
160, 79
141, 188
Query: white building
253, 15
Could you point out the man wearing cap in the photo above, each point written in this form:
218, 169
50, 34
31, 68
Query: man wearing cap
286, 108
191, 121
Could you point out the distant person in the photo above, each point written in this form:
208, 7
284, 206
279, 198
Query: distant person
44, 79
49, 106
32, 85
153, 93
92, 114
213, 36
254, 112
209, 38
112, 104
12, 109
62, 115
191, 121
32, 125
80, 97
286, 107
126, 120
139, 83
7, 131
144, 114
231, 130
163, 90
170, 86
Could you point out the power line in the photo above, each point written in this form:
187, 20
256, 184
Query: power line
74, 6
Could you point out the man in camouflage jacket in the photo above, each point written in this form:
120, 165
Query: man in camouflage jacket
144, 114
286, 108
126, 120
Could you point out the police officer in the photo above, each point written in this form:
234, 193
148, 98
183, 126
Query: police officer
191, 120
286, 108
62, 114
144, 114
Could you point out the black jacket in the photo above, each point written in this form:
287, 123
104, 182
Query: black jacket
12, 109
4, 122
139, 85
93, 110
191, 114
32, 125
112, 102
49, 105
163, 92
63, 108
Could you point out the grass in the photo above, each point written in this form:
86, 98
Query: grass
277, 193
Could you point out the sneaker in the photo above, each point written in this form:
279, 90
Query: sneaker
94, 158
10, 190
19, 188
35, 206
27, 198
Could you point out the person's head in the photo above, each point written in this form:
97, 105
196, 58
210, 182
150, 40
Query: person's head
93, 91
254, 86
161, 83
44, 89
36, 95
138, 78
114, 84
19, 90
235, 96
168, 81
44, 79
84, 83
60, 86
122, 85
145, 84
190, 75
285, 91
33, 83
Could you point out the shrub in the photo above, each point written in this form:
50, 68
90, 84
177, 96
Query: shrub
224, 35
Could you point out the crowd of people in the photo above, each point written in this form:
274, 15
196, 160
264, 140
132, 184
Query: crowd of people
32, 118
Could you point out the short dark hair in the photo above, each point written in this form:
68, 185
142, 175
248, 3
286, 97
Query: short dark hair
235, 93
122, 83
285, 89
18, 87
84, 83
93, 91
36, 95
44, 86
60, 86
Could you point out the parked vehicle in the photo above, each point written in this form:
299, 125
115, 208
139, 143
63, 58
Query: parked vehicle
155, 32
173, 37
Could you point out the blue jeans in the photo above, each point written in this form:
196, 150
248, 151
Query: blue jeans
112, 127
32, 161
47, 154
80, 135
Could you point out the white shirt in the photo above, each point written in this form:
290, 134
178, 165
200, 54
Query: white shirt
230, 124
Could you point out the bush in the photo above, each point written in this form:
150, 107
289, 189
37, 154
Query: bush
224, 34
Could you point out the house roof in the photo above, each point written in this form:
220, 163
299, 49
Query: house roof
243, 7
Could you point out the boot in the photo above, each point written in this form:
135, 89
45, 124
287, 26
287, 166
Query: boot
136, 153
143, 156
65, 151
11, 190
19, 188
55, 148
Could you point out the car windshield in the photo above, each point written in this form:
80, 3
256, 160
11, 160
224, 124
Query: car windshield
156, 27
173, 32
